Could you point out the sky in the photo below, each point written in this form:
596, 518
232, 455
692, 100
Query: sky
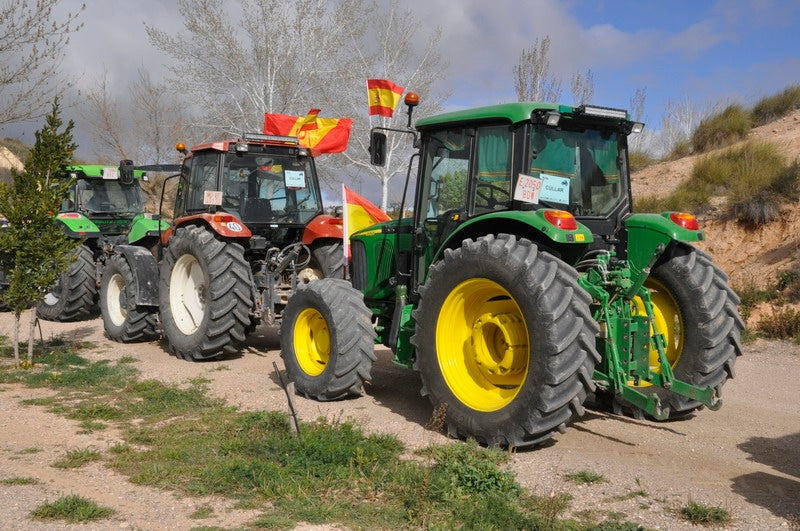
711, 52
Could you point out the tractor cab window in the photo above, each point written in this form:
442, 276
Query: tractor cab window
269, 187
493, 169
579, 169
100, 196
200, 173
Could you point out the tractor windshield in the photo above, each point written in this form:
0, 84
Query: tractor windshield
269, 187
579, 169
101, 196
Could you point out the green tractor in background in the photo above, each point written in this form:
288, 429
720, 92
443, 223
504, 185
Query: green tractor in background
104, 209
523, 283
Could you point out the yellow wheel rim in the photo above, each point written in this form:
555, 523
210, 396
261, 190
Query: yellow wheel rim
312, 342
667, 320
482, 344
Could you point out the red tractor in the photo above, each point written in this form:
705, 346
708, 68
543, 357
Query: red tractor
248, 228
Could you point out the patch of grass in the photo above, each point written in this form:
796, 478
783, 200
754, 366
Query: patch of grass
771, 108
721, 129
699, 514
31, 450
202, 512
629, 496
72, 508
585, 477
19, 481
754, 178
639, 160
650, 204
90, 426
127, 359
78, 458
92, 410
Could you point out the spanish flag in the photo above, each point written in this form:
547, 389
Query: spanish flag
383, 96
358, 213
322, 135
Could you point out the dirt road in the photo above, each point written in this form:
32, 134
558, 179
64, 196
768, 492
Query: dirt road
744, 458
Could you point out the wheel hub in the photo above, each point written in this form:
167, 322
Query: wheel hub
499, 342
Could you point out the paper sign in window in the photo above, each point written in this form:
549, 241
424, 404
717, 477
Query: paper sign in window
555, 189
528, 189
295, 179
212, 197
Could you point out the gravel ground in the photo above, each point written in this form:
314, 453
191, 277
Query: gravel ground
744, 458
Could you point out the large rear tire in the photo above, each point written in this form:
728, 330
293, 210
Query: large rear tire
74, 297
698, 314
123, 320
205, 295
327, 340
505, 342
327, 261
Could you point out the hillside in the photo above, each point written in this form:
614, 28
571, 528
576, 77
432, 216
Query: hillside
746, 255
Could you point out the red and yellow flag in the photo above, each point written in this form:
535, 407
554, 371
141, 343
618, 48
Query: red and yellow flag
358, 213
322, 135
383, 96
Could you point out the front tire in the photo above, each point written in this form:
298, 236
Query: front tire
74, 297
123, 320
205, 295
327, 340
698, 314
505, 342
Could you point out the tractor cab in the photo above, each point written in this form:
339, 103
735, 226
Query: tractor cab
268, 183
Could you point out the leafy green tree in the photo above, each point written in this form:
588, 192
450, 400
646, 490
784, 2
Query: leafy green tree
34, 250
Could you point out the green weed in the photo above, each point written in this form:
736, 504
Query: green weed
699, 514
718, 130
72, 508
585, 477
19, 481
773, 107
78, 458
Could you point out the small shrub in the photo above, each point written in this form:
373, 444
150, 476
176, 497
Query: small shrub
680, 149
780, 323
650, 204
585, 477
639, 160
721, 129
77, 458
72, 508
773, 107
699, 514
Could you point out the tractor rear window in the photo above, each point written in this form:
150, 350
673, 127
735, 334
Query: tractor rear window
579, 169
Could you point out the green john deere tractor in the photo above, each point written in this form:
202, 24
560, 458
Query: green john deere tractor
104, 209
523, 282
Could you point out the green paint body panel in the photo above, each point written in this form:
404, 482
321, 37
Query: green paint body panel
78, 225
144, 225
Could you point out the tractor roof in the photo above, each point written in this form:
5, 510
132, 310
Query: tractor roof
508, 112
95, 171
248, 138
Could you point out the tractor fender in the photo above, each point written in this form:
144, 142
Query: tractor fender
222, 223
77, 225
527, 224
144, 225
323, 226
145, 273
649, 235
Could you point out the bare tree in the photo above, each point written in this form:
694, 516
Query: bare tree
395, 56
270, 56
679, 121
141, 123
638, 141
32, 43
533, 80
582, 86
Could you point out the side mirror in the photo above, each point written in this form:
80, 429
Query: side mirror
377, 149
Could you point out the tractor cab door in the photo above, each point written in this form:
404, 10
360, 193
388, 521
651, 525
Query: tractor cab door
466, 172
199, 174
